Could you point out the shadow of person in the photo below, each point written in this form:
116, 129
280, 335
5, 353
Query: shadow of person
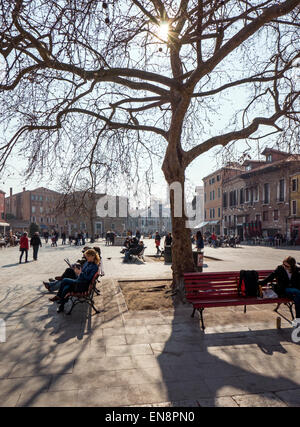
10, 265
226, 364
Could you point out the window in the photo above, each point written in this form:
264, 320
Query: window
294, 184
275, 215
219, 212
32, 209
266, 193
294, 207
281, 190
218, 177
41, 209
241, 196
32, 197
41, 220
257, 217
256, 193
219, 192
248, 168
225, 200
232, 198
247, 195
265, 216
269, 158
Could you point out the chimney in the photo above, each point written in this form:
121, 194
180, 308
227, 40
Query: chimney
24, 189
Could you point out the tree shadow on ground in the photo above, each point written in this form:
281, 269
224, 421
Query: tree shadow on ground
40, 356
223, 365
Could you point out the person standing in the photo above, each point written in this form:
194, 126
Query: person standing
63, 238
199, 240
157, 242
35, 243
24, 246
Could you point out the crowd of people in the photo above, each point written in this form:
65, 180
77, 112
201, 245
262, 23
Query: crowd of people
214, 241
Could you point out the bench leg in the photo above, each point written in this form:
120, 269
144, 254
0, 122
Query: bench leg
193, 314
245, 308
290, 306
201, 317
276, 309
91, 303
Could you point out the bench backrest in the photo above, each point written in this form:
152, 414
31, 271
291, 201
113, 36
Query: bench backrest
217, 285
93, 282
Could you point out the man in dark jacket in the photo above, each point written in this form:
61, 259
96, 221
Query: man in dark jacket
287, 283
35, 243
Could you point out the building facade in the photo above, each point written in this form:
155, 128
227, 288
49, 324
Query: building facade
213, 208
37, 206
294, 218
259, 201
2, 206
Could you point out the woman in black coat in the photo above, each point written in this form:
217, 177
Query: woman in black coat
287, 277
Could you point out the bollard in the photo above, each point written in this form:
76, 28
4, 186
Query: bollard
278, 322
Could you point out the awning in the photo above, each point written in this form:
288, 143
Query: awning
212, 222
202, 224
4, 224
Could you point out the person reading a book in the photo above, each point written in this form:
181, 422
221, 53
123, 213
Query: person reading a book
81, 283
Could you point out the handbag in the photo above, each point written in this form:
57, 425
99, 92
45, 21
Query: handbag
269, 293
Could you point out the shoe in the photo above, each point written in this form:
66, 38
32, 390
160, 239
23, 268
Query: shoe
56, 298
60, 308
47, 285
57, 277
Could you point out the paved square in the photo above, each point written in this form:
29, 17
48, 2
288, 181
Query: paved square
149, 358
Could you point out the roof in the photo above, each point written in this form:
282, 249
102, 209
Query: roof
268, 150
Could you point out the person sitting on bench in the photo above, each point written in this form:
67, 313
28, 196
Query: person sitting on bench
287, 276
69, 273
83, 280
136, 250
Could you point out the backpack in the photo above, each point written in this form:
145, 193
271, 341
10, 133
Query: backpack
248, 283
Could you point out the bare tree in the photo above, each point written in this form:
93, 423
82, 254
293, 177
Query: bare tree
136, 78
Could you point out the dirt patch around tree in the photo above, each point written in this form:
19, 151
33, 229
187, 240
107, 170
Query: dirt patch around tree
148, 294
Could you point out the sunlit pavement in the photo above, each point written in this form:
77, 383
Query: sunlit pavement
158, 358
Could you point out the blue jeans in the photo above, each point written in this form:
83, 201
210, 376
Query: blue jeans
294, 293
127, 256
54, 286
65, 286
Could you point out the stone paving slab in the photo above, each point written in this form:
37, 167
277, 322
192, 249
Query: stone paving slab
148, 358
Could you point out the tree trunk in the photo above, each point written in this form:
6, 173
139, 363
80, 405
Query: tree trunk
182, 257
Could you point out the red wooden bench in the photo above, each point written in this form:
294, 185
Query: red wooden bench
204, 290
84, 297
